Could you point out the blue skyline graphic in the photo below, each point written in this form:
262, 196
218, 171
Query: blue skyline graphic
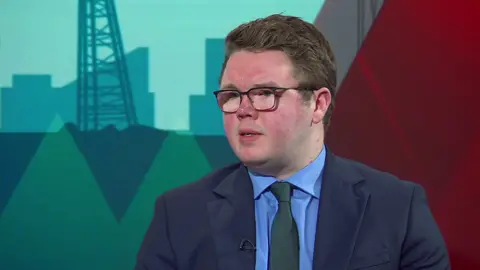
31, 103
174, 33
205, 116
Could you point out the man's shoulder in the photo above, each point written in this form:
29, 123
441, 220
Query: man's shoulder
379, 181
388, 193
202, 187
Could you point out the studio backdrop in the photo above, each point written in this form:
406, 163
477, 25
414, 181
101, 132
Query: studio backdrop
100, 117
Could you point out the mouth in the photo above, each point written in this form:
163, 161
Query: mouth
248, 133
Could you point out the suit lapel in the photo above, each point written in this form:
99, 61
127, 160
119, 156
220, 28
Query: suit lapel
342, 206
232, 217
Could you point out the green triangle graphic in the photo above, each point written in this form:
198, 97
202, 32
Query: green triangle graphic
57, 218
179, 161
56, 124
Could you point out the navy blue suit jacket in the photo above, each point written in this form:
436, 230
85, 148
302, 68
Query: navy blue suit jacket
368, 220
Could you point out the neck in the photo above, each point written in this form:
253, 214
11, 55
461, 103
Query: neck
300, 158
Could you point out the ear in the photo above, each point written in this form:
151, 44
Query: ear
322, 100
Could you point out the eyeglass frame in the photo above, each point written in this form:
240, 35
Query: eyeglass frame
274, 89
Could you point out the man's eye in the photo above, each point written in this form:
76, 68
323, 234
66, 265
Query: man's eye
264, 92
229, 95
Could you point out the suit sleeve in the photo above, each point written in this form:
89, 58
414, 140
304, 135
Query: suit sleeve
424, 247
156, 251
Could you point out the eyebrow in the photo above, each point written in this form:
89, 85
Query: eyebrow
266, 84
228, 86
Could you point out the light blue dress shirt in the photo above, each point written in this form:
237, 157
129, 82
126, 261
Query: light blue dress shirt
305, 203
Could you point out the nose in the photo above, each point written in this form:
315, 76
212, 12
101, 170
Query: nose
246, 109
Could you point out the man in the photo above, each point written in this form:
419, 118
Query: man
290, 203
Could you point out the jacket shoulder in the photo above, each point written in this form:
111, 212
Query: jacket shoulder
381, 182
201, 188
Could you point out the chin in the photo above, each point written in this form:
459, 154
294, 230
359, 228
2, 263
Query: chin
251, 155
252, 163
252, 159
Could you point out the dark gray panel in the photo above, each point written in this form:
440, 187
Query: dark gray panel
345, 23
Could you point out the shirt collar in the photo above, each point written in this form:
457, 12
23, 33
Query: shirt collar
307, 179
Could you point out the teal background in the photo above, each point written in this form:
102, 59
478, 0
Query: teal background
83, 200
174, 32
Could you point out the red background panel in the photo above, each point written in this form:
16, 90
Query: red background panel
410, 105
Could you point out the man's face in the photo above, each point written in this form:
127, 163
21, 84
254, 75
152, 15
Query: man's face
279, 133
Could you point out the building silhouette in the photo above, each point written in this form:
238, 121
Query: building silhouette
31, 103
28, 106
205, 116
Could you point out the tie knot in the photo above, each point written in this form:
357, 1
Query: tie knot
282, 191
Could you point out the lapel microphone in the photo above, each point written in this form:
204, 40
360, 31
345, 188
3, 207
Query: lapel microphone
247, 245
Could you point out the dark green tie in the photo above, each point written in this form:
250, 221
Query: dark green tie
284, 248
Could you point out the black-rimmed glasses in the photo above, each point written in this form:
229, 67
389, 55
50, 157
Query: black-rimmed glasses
261, 98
